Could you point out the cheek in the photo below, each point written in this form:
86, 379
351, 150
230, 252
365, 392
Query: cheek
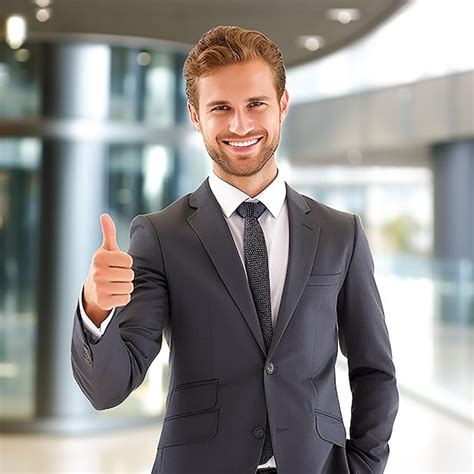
215, 126
272, 126
269, 121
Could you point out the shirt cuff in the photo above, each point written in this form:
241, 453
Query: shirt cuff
96, 331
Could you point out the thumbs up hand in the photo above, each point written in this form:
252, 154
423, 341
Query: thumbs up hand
109, 282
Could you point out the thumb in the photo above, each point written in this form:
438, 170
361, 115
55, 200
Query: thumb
109, 240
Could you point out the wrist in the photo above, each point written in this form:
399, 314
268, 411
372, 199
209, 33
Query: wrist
94, 312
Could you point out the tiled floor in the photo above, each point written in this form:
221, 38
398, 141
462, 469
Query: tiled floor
423, 441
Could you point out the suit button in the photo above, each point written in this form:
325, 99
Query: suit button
259, 432
270, 368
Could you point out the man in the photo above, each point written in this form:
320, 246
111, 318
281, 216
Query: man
253, 286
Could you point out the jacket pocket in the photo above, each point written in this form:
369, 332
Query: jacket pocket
189, 429
330, 427
324, 280
191, 397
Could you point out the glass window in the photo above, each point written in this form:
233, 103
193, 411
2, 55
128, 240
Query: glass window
143, 86
19, 222
19, 81
160, 90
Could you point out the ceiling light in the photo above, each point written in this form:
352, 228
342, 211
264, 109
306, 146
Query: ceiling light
143, 58
43, 14
42, 3
22, 55
15, 31
343, 15
311, 42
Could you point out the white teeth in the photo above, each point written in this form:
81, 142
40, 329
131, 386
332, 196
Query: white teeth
248, 143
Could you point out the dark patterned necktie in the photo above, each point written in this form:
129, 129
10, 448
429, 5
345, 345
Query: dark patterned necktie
256, 264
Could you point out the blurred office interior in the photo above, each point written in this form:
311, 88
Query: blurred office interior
93, 119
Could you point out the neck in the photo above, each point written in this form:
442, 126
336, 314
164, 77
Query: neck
250, 185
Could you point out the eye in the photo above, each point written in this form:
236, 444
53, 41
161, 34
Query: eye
220, 107
256, 104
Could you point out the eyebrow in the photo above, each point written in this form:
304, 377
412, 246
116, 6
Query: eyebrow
226, 102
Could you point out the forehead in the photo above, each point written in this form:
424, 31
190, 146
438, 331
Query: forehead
237, 81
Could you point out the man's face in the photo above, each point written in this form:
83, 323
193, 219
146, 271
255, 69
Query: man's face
240, 117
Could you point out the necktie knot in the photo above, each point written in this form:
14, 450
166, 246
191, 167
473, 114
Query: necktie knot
251, 209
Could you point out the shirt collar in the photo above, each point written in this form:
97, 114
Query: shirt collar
229, 197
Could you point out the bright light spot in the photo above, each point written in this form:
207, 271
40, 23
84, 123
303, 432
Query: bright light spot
15, 31
8, 370
143, 58
43, 14
343, 15
312, 43
156, 166
22, 55
43, 3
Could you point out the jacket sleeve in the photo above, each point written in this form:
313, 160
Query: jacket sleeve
364, 340
110, 368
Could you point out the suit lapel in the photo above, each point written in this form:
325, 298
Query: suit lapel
210, 226
304, 233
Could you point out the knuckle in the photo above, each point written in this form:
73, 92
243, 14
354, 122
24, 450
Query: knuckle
99, 258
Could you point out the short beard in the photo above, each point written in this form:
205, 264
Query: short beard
220, 158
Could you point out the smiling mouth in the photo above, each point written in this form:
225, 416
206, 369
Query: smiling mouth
242, 145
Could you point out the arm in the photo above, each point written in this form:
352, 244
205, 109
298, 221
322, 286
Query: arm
110, 368
364, 340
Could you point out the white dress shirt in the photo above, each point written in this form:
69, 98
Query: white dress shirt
275, 226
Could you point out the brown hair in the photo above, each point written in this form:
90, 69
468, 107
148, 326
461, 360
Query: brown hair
224, 45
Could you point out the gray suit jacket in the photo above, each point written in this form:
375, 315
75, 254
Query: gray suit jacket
190, 286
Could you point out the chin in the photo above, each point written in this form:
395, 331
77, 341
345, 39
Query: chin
249, 170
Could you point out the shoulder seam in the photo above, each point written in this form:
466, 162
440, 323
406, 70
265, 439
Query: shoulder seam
158, 241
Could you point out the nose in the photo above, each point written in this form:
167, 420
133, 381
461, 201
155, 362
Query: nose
240, 123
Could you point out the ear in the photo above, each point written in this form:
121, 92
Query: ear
284, 105
194, 116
